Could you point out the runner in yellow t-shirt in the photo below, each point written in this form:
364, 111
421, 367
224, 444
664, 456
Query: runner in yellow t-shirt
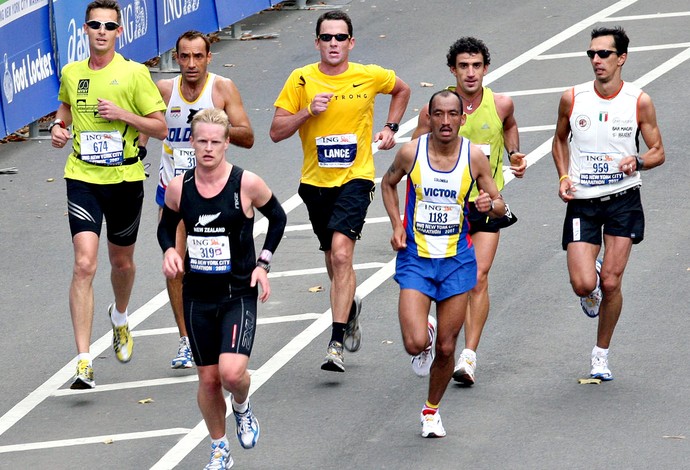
331, 104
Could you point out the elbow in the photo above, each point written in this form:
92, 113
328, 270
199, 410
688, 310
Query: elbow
162, 133
275, 136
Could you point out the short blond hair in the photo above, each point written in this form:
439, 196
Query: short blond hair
212, 116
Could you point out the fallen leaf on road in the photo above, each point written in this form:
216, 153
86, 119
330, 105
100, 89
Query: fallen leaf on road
589, 381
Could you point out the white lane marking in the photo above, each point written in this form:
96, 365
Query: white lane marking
106, 438
302, 272
652, 16
128, 385
48, 387
306, 227
555, 40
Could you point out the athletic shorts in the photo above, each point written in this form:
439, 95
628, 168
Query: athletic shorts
120, 204
339, 209
437, 278
619, 214
227, 326
481, 222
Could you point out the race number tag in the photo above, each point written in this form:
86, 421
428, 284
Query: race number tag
598, 168
184, 159
336, 151
437, 219
102, 148
209, 254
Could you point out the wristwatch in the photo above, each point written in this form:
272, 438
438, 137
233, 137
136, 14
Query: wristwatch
394, 126
263, 264
57, 122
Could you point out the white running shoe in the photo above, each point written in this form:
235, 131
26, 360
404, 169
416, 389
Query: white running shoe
248, 429
220, 457
590, 304
464, 369
421, 363
600, 368
183, 359
432, 425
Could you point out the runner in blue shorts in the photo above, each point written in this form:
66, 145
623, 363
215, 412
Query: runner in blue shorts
436, 259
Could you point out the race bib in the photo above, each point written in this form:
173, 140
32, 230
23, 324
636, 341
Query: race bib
209, 254
184, 159
336, 151
102, 148
437, 219
599, 168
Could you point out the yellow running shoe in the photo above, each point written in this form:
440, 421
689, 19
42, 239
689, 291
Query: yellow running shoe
122, 340
84, 376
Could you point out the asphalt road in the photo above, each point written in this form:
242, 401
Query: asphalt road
527, 410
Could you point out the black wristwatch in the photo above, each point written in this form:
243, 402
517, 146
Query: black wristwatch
263, 264
394, 126
639, 163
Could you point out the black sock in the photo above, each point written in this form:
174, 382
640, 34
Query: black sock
338, 332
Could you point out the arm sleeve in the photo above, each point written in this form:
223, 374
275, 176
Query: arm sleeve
167, 228
277, 219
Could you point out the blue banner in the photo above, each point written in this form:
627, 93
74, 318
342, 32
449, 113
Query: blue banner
177, 16
29, 74
138, 40
231, 12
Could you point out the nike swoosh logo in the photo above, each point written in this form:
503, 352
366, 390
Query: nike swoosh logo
355, 85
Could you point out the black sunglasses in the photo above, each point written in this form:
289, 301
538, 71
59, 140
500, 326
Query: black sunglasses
109, 25
603, 53
338, 37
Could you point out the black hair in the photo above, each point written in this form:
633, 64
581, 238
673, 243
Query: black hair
620, 38
471, 46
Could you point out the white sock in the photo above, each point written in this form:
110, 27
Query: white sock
469, 353
600, 352
84, 356
117, 318
239, 407
222, 439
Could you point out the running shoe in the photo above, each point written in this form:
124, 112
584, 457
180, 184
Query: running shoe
220, 457
590, 304
122, 340
184, 359
421, 363
432, 425
83, 379
600, 368
248, 429
334, 358
464, 369
353, 332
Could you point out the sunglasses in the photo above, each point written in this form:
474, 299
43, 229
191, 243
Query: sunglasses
109, 25
338, 37
603, 53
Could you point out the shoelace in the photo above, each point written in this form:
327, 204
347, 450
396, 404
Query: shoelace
119, 335
600, 361
245, 422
